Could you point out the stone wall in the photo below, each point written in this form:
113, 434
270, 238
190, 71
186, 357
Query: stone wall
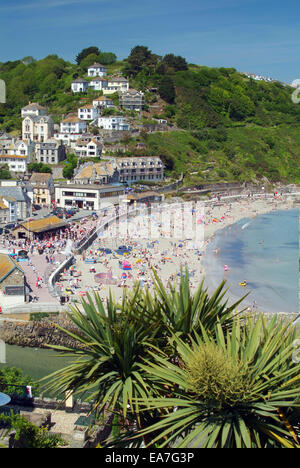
39, 334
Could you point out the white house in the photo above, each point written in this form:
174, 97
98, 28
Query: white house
79, 85
88, 149
18, 148
16, 154
103, 101
37, 128
97, 70
98, 83
88, 112
33, 108
15, 163
118, 84
73, 125
115, 122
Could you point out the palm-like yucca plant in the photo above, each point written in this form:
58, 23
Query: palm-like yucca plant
117, 338
235, 390
114, 340
184, 313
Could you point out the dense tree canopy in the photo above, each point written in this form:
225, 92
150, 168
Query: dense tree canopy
85, 52
107, 58
39, 167
140, 56
178, 63
4, 172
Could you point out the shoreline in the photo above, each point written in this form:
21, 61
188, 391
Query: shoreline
242, 210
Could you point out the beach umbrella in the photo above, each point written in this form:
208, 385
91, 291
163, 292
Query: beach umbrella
4, 399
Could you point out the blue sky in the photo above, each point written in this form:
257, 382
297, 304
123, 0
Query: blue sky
251, 35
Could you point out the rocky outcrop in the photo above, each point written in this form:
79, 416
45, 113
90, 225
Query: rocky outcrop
39, 334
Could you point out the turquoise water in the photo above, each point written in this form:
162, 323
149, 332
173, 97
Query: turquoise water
269, 267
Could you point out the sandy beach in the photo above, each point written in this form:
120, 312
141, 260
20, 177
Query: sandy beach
165, 253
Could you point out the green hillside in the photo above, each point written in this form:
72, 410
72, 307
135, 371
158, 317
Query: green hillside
224, 126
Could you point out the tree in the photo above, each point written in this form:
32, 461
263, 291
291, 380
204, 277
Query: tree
166, 89
85, 52
115, 342
39, 167
4, 172
68, 171
28, 435
12, 379
88, 61
107, 58
176, 62
140, 56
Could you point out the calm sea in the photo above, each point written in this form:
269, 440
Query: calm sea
264, 251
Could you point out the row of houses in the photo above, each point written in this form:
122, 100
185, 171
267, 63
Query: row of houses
17, 199
124, 170
73, 128
115, 172
18, 153
109, 177
100, 82
129, 100
38, 129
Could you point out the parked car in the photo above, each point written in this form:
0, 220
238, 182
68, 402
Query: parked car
57, 211
71, 212
9, 226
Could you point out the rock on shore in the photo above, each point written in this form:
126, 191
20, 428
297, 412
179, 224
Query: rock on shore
38, 334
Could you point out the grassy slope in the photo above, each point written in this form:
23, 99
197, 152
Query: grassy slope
249, 152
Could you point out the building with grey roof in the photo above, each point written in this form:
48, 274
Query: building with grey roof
79, 85
33, 108
23, 202
50, 152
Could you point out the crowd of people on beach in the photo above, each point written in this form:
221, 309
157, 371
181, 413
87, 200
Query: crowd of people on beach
166, 254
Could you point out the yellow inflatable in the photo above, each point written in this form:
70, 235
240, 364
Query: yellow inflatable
243, 284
